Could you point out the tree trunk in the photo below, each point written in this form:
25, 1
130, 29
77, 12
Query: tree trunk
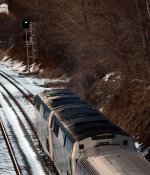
141, 24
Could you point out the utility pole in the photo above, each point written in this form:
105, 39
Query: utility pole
30, 42
27, 49
33, 41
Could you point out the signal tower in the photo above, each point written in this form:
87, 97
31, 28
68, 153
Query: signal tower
30, 41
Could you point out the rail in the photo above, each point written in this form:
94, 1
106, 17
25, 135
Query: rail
11, 152
21, 109
11, 80
46, 160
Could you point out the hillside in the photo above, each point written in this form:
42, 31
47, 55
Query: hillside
87, 39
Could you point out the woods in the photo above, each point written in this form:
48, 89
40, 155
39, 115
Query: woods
86, 39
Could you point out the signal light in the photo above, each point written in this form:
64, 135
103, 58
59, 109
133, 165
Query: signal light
26, 23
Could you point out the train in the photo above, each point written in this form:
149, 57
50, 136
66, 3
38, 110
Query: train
80, 140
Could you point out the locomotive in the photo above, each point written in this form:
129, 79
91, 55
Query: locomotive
80, 140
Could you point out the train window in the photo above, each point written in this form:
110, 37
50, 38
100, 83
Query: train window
68, 145
47, 144
46, 114
38, 105
52, 124
81, 146
41, 109
56, 129
34, 101
125, 142
61, 136
68, 173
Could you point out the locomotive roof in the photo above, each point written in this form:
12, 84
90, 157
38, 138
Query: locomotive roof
60, 97
57, 92
66, 100
86, 121
80, 119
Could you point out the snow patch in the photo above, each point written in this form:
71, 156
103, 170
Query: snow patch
34, 67
112, 76
5, 58
36, 167
19, 66
4, 8
101, 109
107, 76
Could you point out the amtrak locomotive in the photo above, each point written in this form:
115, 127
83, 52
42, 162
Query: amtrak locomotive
82, 141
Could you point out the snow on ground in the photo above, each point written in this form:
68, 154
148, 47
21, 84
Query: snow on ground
107, 76
30, 155
6, 166
11, 121
113, 76
34, 85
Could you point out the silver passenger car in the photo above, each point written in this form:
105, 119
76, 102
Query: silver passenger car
112, 160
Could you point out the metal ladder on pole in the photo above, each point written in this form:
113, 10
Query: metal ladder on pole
31, 44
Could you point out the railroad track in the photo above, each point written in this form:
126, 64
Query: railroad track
21, 109
31, 128
10, 150
28, 95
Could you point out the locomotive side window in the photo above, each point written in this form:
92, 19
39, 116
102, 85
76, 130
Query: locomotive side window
47, 144
46, 114
52, 124
37, 105
56, 129
68, 145
61, 136
34, 101
41, 110
68, 173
